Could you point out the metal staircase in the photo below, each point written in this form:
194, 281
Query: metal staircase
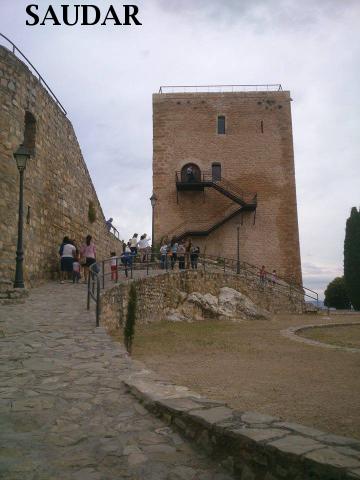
243, 201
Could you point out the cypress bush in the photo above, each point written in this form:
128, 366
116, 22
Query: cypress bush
129, 328
352, 258
336, 295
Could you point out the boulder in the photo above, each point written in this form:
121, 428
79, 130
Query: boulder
235, 304
230, 304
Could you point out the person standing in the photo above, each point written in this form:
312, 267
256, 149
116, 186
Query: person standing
173, 251
88, 250
134, 244
163, 253
114, 267
181, 255
188, 247
262, 275
67, 252
194, 255
76, 269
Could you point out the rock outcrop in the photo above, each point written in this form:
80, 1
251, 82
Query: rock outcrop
229, 304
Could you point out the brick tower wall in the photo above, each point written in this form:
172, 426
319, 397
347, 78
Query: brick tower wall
58, 187
256, 154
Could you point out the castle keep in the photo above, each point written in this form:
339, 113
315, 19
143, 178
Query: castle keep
223, 162
58, 188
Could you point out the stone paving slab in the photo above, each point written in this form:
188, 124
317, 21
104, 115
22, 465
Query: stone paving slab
64, 412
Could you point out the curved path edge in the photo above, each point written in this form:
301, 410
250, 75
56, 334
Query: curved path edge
291, 333
250, 445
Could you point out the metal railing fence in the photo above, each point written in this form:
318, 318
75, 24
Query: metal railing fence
41, 79
265, 87
113, 270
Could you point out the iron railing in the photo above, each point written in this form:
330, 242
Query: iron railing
208, 179
266, 87
41, 79
119, 269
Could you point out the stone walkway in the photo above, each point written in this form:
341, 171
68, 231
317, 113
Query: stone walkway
64, 412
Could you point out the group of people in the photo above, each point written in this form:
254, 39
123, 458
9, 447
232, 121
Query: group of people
185, 253
266, 276
74, 259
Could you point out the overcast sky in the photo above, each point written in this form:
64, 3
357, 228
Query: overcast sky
105, 76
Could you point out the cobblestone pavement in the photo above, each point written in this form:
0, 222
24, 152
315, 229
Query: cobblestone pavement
64, 413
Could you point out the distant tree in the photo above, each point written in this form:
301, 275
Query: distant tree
129, 328
336, 295
352, 258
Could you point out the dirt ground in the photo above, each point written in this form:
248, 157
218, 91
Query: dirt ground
251, 366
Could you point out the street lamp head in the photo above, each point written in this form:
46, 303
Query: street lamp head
153, 200
21, 156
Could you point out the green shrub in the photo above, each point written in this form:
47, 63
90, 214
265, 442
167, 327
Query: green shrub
336, 295
129, 329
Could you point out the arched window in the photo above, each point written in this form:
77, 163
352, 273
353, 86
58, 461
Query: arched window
190, 173
30, 132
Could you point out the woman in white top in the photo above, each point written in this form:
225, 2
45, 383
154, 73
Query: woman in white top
143, 245
67, 252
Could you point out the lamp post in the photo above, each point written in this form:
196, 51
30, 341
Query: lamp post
238, 250
21, 156
153, 200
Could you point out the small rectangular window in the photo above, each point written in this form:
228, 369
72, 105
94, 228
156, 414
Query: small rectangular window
221, 125
216, 171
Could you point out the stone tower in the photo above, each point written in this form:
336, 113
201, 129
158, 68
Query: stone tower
223, 161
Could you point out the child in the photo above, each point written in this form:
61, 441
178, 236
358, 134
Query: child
163, 252
76, 269
114, 273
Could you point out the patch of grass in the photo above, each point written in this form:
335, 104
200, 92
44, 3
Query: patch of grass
341, 335
205, 336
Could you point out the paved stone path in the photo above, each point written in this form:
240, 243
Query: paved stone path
64, 413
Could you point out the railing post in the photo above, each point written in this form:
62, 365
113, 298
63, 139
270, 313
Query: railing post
97, 300
88, 292
147, 263
131, 269
117, 270
103, 274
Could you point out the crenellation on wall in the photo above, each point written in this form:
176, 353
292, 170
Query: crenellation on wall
58, 186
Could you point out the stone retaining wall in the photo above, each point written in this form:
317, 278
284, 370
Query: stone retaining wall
252, 446
58, 187
161, 293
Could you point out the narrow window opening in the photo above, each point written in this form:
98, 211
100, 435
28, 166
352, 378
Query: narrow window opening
221, 125
216, 171
262, 126
30, 132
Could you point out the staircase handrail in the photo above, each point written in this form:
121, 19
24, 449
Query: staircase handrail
180, 229
207, 178
40, 77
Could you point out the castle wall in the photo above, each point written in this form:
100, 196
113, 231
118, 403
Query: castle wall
256, 154
58, 187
